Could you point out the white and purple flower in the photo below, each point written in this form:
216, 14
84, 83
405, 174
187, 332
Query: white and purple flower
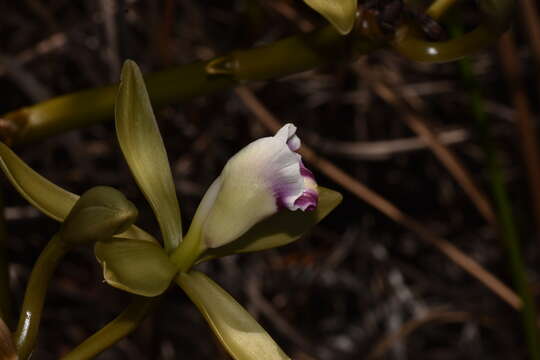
264, 177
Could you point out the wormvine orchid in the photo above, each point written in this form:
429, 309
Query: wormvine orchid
264, 197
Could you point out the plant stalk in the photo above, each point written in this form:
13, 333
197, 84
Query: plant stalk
115, 330
281, 58
189, 250
495, 20
34, 298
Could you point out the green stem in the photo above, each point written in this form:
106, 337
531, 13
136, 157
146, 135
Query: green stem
114, 331
34, 298
5, 295
284, 57
281, 58
509, 232
187, 253
496, 18
410, 45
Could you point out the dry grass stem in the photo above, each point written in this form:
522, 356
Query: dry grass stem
254, 292
524, 119
379, 150
420, 126
288, 12
438, 316
532, 29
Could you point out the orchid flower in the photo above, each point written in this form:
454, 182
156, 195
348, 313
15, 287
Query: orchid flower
264, 177
265, 197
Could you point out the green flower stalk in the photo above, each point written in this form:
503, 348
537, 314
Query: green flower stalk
115, 330
34, 298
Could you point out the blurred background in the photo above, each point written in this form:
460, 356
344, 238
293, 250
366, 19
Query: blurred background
362, 284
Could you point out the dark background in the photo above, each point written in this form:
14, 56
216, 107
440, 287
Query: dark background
354, 281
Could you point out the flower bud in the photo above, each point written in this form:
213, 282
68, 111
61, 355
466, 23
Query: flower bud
262, 178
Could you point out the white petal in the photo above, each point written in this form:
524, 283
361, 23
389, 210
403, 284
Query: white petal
244, 198
265, 176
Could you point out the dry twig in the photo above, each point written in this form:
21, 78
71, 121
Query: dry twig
441, 316
380, 150
420, 126
532, 27
527, 131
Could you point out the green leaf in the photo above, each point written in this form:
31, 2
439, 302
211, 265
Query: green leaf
340, 13
47, 197
235, 328
136, 266
279, 229
141, 143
